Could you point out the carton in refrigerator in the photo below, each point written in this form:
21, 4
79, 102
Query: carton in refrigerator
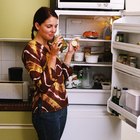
133, 101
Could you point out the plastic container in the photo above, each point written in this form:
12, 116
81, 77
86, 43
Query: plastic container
79, 56
106, 85
92, 58
133, 101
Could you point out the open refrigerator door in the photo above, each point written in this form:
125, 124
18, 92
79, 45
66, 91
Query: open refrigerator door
125, 48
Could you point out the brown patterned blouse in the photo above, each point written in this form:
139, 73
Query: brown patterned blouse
49, 83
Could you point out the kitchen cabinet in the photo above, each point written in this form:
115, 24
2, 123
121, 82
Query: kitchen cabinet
16, 125
124, 74
16, 17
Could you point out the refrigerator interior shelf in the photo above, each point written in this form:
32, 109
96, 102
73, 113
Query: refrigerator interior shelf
99, 64
127, 69
74, 90
126, 47
125, 114
86, 39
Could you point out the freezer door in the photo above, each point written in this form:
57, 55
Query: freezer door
87, 122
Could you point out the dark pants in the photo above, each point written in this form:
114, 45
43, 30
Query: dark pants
50, 125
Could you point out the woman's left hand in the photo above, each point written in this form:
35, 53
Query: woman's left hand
72, 49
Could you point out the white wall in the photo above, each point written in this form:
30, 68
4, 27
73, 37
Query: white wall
132, 5
10, 56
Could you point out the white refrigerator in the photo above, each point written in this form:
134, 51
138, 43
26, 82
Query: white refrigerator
90, 109
125, 74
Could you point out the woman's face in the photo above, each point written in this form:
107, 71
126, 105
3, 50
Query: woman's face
47, 29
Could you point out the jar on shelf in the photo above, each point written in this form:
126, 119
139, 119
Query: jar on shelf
123, 58
133, 61
120, 37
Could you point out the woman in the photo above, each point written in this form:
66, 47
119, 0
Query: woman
49, 108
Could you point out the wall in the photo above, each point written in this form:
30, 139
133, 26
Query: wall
16, 22
10, 56
132, 5
16, 17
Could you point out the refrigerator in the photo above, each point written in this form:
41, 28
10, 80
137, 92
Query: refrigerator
126, 73
90, 110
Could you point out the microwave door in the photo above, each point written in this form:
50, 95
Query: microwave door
91, 4
98, 1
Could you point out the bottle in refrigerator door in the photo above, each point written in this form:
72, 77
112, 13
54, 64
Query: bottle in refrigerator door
118, 96
114, 96
120, 37
122, 101
114, 99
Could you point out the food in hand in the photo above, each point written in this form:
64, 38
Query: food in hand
62, 45
74, 43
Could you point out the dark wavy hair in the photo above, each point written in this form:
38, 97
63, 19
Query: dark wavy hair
40, 16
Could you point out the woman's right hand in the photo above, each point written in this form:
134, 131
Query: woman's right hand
56, 45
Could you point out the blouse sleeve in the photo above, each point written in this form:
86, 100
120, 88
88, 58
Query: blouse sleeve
42, 76
67, 71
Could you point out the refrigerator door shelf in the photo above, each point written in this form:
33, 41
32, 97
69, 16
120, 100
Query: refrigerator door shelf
126, 47
126, 115
127, 69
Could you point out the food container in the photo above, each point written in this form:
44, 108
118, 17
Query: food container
91, 58
79, 56
133, 61
106, 85
133, 101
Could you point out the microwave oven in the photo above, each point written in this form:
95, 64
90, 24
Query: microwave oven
88, 4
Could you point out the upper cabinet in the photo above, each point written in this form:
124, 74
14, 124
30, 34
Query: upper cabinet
17, 16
